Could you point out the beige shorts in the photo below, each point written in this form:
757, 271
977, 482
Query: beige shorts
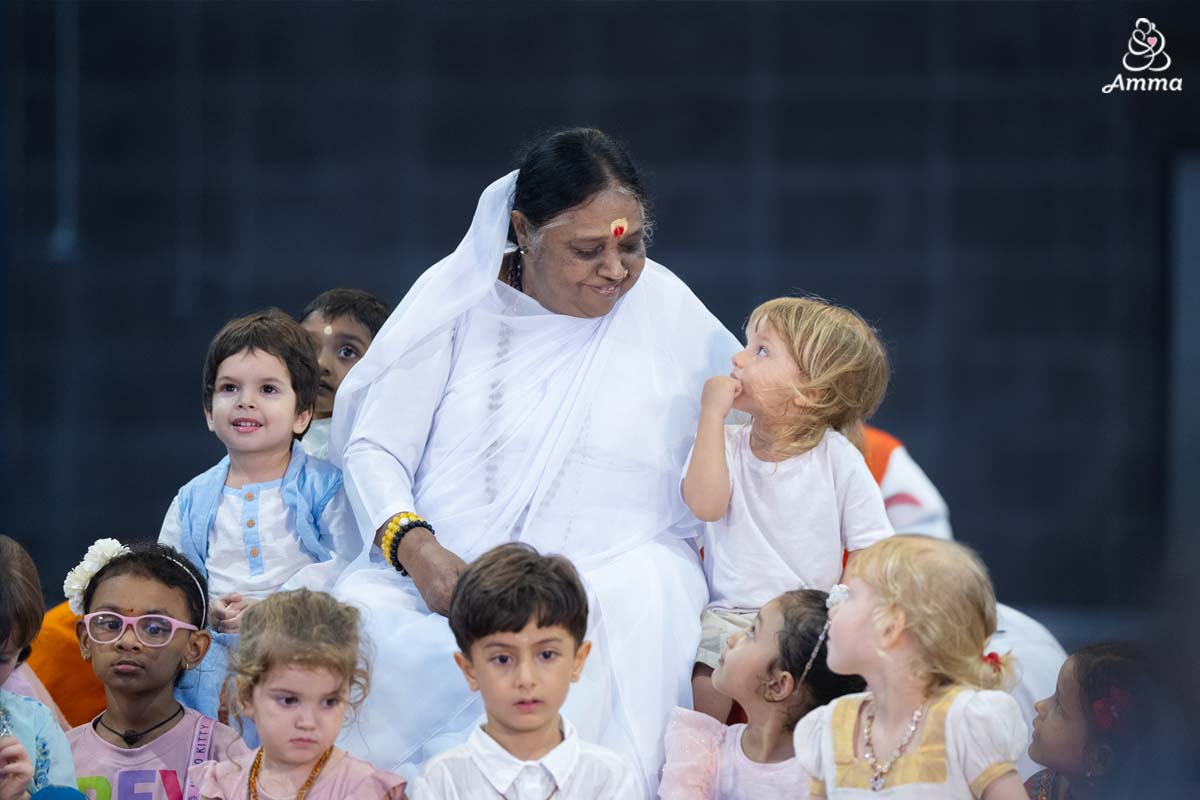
716, 625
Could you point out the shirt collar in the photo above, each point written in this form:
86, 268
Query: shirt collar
501, 767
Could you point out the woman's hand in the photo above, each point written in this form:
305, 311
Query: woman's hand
433, 568
16, 770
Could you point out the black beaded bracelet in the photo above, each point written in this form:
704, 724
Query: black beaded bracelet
396, 533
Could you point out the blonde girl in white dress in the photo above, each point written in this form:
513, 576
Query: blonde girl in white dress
913, 618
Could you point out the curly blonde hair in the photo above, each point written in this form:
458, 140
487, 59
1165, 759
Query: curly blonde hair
948, 602
304, 628
843, 366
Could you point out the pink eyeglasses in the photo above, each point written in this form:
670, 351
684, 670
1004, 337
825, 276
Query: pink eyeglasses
152, 630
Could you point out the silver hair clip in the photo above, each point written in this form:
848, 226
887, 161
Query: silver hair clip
817, 649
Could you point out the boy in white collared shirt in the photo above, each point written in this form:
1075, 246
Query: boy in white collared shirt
519, 619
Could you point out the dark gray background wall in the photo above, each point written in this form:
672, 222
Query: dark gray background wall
953, 171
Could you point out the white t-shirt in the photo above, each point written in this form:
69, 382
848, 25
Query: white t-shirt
789, 521
481, 769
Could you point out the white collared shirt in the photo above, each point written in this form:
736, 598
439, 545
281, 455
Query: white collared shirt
481, 768
284, 565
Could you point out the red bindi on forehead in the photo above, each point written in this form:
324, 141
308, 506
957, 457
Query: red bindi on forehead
618, 227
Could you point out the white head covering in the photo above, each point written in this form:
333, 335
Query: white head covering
441, 294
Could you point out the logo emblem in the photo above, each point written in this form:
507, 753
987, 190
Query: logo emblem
1147, 54
1147, 48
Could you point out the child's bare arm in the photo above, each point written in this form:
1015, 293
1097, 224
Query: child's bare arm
706, 487
1006, 787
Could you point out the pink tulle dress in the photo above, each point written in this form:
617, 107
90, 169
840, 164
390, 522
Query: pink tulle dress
705, 761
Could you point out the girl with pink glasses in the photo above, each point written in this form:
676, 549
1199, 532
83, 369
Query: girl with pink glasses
144, 616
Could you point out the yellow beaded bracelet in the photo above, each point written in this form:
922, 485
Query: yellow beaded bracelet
397, 527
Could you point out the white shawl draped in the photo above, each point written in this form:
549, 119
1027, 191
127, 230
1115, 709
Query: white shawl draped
498, 420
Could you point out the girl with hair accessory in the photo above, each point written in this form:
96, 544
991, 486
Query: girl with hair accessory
786, 495
298, 670
776, 672
34, 753
144, 614
913, 619
1088, 734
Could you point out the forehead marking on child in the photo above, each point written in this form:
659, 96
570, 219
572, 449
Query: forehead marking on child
328, 330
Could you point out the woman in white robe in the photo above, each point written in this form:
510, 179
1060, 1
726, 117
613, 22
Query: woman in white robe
553, 405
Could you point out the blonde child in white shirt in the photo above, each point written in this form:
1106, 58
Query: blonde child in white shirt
785, 496
913, 619
519, 619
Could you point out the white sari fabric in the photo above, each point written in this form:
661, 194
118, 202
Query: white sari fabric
500, 421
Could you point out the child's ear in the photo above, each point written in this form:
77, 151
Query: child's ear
468, 670
581, 655
208, 419
892, 628
780, 687
242, 702
302, 420
1097, 761
85, 644
197, 647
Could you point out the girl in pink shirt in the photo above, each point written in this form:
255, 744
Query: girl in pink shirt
776, 671
298, 669
144, 616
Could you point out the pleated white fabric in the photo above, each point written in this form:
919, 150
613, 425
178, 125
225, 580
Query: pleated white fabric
500, 421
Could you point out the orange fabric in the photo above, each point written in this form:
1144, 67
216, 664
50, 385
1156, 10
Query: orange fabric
880, 445
56, 661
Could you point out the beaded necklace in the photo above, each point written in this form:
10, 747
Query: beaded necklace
312, 776
880, 771
132, 737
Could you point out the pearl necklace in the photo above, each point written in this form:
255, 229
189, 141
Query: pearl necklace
312, 776
880, 771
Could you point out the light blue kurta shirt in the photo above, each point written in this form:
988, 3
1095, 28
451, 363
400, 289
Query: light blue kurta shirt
35, 728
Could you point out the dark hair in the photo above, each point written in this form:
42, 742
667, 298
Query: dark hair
164, 564
274, 332
364, 307
1113, 683
511, 584
562, 168
804, 616
21, 607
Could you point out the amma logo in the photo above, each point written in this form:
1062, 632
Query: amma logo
1147, 52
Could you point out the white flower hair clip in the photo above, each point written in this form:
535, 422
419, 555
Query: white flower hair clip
100, 553
837, 595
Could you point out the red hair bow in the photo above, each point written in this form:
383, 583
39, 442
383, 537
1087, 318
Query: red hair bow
993, 659
1108, 711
